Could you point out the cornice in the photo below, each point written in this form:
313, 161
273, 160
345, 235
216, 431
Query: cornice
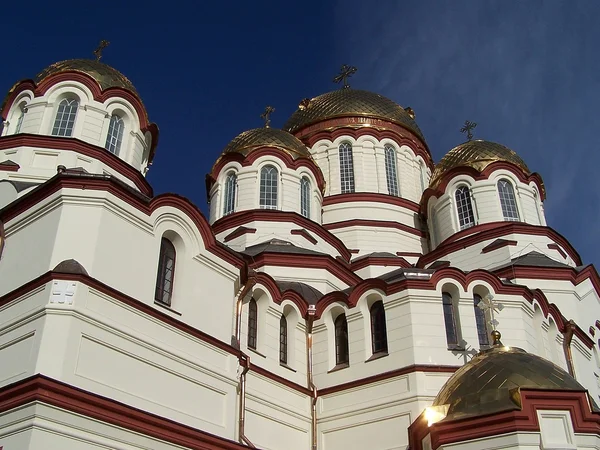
371, 197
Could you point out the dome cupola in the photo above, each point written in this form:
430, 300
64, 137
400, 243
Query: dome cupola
251, 140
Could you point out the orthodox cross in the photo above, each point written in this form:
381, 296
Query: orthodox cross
345, 72
467, 127
98, 52
266, 116
487, 304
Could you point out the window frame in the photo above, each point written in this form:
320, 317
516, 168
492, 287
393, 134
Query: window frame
114, 143
69, 125
391, 170
305, 196
269, 199
464, 207
342, 348
506, 197
283, 340
483, 335
346, 157
252, 324
450, 320
229, 193
379, 342
167, 251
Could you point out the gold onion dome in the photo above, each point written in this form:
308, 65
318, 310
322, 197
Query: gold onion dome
105, 75
490, 382
477, 154
351, 103
256, 138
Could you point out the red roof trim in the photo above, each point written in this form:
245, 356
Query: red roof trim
368, 261
558, 249
305, 234
240, 231
498, 244
9, 168
373, 223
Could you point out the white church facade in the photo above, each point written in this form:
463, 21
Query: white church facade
342, 294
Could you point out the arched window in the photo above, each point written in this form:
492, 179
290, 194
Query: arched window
482, 332
305, 197
346, 168
283, 340
166, 272
252, 323
20, 119
341, 340
450, 320
390, 170
229, 196
508, 201
115, 134
464, 207
378, 328
65, 117
268, 187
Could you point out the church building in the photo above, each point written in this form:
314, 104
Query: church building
345, 291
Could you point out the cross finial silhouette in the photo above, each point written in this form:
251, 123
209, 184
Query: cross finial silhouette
345, 72
467, 128
266, 115
98, 52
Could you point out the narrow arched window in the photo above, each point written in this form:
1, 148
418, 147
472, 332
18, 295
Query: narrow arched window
229, 195
305, 197
342, 354
390, 171
378, 328
283, 340
268, 187
450, 320
65, 117
252, 323
464, 207
20, 120
346, 168
482, 332
508, 201
166, 272
115, 134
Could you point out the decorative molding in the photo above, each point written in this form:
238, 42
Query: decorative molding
81, 147
240, 231
498, 243
367, 261
558, 249
374, 223
305, 234
9, 166
40, 388
371, 197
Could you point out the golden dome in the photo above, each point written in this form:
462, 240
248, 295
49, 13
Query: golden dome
490, 382
251, 140
478, 155
350, 103
105, 75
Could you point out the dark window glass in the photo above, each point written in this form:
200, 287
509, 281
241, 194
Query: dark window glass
283, 340
166, 272
341, 340
252, 323
378, 328
482, 333
450, 319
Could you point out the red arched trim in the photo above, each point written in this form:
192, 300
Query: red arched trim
98, 94
78, 146
492, 230
479, 176
371, 197
367, 261
365, 126
264, 215
365, 286
248, 160
329, 299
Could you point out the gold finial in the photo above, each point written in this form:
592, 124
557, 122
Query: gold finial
304, 104
467, 127
345, 72
266, 115
496, 339
98, 52
410, 111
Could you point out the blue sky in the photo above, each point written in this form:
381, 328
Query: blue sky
527, 72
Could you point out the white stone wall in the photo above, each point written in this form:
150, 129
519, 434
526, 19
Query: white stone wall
91, 123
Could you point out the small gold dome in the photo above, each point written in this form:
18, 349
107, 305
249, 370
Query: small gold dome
489, 383
351, 103
105, 75
477, 154
251, 140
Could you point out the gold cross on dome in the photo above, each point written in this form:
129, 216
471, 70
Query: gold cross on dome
488, 305
98, 52
345, 72
467, 128
266, 115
